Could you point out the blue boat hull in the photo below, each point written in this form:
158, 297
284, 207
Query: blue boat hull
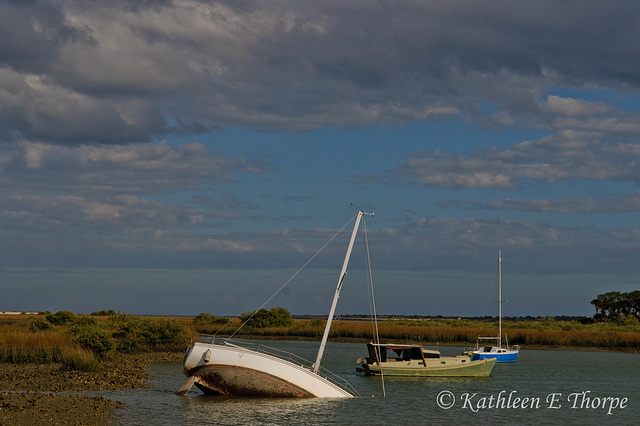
504, 357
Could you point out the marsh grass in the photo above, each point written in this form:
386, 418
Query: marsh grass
544, 333
583, 338
82, 342
44, 347
78, 359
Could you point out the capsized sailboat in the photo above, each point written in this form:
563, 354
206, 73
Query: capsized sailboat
413, 360
220, 367
497, 352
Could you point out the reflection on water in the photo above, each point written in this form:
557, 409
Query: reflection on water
536, 375
231, 411
162, 406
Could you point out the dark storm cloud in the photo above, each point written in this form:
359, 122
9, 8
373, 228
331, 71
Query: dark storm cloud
32, 33
122, 72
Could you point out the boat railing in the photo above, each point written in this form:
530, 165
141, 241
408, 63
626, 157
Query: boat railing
285, 355
477, 347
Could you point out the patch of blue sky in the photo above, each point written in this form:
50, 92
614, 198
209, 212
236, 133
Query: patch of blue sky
623, 99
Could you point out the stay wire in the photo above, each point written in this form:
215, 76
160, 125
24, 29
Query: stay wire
372, 300
287, 282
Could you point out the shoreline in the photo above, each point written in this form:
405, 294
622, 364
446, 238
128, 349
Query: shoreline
29, 393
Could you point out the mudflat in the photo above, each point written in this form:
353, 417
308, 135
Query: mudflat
28, 391
49, 409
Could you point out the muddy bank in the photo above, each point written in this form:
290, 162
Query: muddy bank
49, 409
28, 390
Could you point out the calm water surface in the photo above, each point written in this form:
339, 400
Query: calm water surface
555, 387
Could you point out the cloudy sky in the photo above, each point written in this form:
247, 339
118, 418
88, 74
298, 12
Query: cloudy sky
177, 157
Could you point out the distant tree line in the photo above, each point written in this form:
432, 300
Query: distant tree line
614, 305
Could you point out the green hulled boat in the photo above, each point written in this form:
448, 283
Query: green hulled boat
413, 360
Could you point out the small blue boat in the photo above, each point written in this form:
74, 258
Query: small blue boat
498, 352
501, 354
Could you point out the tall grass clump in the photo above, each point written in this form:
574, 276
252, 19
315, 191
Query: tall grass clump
41, 347
78, 359
44, 347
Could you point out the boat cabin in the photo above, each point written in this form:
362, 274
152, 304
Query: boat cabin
398, 352
493, 349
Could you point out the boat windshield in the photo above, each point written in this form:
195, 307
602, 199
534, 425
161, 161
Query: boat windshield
394, 353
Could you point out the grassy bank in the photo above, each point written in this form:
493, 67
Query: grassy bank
80, 342
540, 333
42, 355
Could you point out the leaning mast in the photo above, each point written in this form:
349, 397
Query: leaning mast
336, 296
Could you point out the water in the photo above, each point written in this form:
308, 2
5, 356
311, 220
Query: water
560, 386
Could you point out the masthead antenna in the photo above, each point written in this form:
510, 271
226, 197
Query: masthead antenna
355, 207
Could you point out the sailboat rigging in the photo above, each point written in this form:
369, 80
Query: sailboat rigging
225, 368
497, 352
413, 360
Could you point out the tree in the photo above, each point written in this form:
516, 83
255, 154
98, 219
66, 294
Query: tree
614, 304
206, 318
634, 303
61, 317
276, 317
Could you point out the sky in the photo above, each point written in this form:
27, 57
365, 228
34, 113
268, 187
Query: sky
176, 157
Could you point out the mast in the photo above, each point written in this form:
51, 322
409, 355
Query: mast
499, 299
336, 296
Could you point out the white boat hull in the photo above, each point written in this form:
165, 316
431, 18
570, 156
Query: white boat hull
232, 370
